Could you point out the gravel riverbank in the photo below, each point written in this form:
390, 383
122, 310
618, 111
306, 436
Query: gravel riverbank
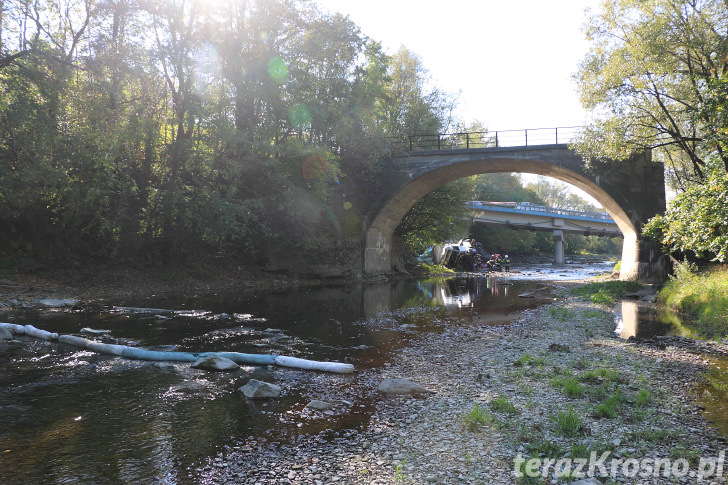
555, 384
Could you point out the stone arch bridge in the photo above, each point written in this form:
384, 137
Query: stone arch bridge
631, 192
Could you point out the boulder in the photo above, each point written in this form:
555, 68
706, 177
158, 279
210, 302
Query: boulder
319, 405
256, 389
401, 386
215, 362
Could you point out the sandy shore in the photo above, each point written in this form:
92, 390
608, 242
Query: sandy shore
556, 384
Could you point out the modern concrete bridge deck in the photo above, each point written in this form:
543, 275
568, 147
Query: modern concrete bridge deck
532, 217
631, 192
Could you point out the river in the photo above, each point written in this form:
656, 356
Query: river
73, 416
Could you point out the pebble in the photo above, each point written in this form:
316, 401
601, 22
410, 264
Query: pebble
424, 439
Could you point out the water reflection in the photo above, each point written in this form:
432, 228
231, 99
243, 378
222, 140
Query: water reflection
712, 393
640, 320
75, 416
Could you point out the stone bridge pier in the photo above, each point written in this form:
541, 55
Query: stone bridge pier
631, 192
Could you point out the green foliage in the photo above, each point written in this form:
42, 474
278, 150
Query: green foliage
545, 449
501, 404
645, 96
697, 219
528, 360
399, 471
439, 216
702, 296
604, 293
610, 407
568, 423
581, 244
570, 386
561, 313
476, 418
642, 398
213, 140
594, 376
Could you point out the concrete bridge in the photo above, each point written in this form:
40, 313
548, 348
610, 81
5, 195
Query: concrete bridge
532, 217
631, 192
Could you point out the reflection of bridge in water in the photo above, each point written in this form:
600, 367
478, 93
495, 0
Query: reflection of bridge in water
524, 215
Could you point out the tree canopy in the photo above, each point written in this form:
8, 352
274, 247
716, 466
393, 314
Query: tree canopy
647, 79
162, 129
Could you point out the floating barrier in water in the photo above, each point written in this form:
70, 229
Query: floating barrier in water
170, 356
297, 363
102, 348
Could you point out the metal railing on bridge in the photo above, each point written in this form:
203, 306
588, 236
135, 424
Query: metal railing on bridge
527, 207
483, 139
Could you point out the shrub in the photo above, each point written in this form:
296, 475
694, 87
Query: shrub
702, 296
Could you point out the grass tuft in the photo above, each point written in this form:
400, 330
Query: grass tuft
568, 423
476, 418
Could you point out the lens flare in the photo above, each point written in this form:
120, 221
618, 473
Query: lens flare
299, 115
278, 70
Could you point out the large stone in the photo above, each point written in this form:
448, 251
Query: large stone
401, 386
319, 405
256, 389
215, 362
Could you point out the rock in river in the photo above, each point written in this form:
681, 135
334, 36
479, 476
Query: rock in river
401, 386
256, 389
214, 362
319, 405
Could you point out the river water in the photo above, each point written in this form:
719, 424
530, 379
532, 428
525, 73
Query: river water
73, 416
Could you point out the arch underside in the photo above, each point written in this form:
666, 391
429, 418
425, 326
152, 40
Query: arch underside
378, 240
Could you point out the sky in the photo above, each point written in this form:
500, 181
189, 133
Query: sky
511, 61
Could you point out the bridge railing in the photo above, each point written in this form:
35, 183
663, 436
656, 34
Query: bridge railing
539, 209
483, 139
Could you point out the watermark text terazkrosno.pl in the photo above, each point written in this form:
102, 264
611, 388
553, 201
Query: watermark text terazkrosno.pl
606, 466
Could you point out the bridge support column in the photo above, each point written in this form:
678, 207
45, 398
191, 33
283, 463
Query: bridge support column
558, 247
377, 252
642, 260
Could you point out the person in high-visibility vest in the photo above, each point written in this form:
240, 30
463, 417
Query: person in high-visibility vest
507, 264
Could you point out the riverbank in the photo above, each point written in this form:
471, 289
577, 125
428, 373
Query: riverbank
555, 384
94, 283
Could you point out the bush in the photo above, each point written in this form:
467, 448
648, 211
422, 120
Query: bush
702, 296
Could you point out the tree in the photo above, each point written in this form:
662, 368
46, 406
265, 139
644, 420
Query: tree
647, 77
439, 216
697, 219
503, 187
412, 107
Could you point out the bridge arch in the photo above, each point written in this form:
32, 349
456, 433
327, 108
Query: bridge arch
418, 179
